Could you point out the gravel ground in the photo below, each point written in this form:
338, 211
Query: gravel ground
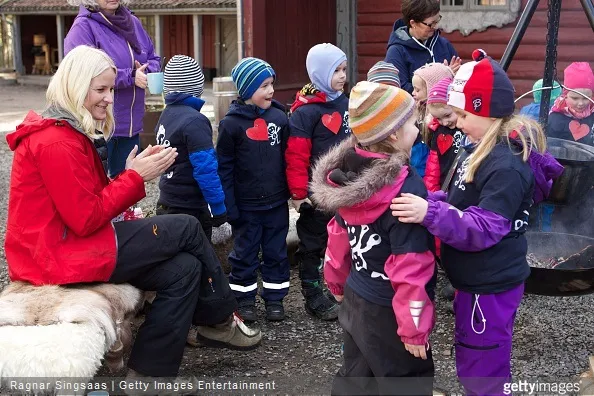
552, 342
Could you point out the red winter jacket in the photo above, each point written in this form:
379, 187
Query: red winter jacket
61, 204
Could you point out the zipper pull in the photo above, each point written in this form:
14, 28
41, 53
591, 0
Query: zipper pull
210, 282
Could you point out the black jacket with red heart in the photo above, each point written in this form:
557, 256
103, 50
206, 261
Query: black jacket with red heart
444, 146
250, 151
561, 126
315, 128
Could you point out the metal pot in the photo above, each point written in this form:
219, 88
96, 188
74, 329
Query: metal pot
578, 177
562, 280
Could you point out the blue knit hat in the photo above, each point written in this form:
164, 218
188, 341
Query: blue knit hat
249, 74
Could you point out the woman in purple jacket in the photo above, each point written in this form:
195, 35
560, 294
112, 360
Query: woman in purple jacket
110, 26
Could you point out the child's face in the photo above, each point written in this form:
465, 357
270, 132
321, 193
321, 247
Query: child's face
576, 101
405, 138
473, 126
419, 89
444, 114
339, 77
263, 95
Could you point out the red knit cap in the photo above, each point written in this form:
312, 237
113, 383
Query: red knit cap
578, 75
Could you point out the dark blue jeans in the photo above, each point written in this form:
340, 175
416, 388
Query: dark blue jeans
118, 149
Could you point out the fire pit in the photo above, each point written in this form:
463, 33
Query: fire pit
578, 177
561, 264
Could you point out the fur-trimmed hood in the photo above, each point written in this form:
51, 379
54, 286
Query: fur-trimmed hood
366, 194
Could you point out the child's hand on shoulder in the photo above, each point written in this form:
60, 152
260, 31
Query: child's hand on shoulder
409, 208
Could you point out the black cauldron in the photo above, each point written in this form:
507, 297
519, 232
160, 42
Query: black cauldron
578, 177
574, 277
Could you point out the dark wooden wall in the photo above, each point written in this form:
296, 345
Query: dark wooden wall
282, 32
576, 40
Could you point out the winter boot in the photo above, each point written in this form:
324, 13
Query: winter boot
275, 311
231, 334
317, 302
247, 310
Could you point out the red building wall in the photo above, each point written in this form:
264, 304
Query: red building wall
576, 40
178, 35
282, 32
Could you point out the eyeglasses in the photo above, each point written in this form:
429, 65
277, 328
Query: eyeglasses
433, 24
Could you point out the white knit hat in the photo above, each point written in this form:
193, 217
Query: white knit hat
183, 74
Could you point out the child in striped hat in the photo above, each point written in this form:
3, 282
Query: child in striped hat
384, 73
192, 185
444, 137
423, 80
250, 149
382, 270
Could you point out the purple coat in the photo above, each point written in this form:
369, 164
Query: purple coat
91, 28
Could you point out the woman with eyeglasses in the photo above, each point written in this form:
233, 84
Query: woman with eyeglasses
415, 41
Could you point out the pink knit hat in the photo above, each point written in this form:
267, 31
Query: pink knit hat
439, 92
432, 73
578, 75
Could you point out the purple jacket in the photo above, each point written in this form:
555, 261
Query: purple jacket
476, 229
91, 28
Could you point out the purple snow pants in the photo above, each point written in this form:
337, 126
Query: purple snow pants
483, 340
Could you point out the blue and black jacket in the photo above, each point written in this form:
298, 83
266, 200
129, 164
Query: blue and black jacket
192, 181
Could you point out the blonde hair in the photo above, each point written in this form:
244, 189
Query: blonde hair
529, 134
70, 86
92, 3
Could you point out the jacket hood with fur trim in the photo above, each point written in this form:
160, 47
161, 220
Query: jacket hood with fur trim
366, 193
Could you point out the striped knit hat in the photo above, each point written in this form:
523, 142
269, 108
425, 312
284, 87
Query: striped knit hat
249, 74
384, 73
439, 92
183, 74
432, 73
376, 111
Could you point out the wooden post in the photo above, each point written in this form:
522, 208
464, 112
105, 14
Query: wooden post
254, 28
16, 45
158, 35
197, 26
60, 30
346, 35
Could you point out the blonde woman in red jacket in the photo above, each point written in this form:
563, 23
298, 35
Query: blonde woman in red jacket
60, 212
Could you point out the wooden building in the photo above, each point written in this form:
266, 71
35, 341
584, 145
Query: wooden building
204, 29
576, 39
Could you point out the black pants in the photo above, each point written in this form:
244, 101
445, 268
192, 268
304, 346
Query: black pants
170, 255
375, 360
202, 214
313, 238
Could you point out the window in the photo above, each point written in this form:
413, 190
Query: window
478, 14
474, 4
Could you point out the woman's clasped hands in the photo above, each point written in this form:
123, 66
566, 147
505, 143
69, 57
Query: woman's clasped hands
152, 162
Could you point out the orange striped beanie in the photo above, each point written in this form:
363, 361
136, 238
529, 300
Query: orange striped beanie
376, 111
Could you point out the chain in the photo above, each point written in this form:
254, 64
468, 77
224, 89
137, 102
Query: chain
550, 71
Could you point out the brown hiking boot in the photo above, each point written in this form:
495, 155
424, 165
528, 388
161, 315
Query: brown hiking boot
232, 334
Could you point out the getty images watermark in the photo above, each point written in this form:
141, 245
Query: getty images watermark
524, 387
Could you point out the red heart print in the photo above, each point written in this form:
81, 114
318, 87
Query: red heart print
444, 142
259, 131
578, 130
332, 121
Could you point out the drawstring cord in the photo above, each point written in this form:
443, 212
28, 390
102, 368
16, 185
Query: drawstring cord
484, 320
